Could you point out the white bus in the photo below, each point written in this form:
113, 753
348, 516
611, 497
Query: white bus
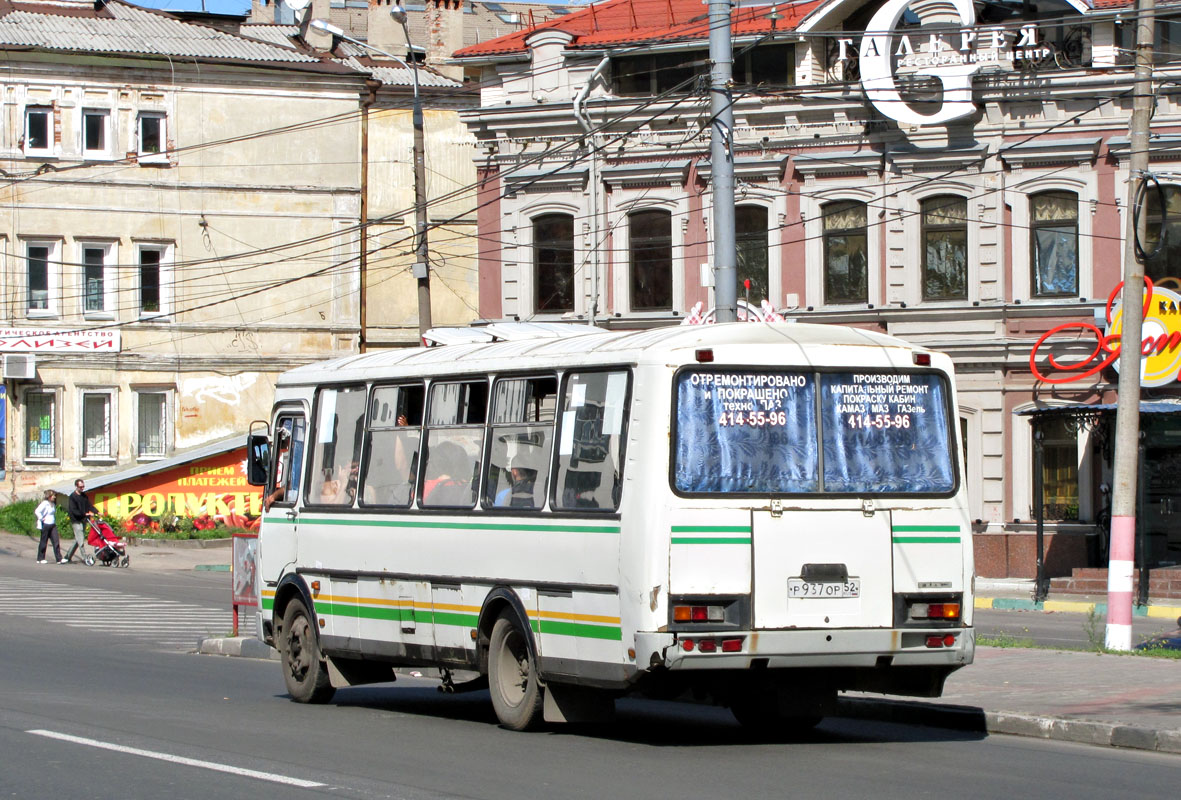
759, 514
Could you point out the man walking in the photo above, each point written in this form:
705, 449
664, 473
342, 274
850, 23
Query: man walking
79, 508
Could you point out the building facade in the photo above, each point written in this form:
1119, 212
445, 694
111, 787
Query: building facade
955, 174
182, 221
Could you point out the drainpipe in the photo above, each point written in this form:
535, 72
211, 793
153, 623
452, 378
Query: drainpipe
371, 88
584, 120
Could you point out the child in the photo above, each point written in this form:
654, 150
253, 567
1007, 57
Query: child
46, 514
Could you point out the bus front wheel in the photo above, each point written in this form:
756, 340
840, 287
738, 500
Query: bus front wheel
304, 671
512, 677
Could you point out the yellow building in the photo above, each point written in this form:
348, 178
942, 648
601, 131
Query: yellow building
180, 220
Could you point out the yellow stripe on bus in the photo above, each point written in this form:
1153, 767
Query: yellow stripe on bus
578, 617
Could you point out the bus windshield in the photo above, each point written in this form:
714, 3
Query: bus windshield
745, 431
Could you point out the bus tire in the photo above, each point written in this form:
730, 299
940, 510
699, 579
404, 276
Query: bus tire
512, 676
304, 669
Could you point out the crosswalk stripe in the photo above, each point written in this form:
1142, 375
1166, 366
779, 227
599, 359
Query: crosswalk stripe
166, 623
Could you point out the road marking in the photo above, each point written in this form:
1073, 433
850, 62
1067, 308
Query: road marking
188, 762
165, 623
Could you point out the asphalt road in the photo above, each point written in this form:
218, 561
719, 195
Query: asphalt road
1060, 629
211, 727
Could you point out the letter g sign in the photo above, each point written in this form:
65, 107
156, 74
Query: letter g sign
877, 75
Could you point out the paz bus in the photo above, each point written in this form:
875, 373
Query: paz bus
760, 515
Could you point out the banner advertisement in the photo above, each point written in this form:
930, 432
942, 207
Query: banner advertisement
212, 490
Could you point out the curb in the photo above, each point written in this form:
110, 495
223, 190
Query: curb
181, 544
1073, 606
238, 646
969, 718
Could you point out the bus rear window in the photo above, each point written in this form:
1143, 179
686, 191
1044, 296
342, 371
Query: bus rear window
801, 432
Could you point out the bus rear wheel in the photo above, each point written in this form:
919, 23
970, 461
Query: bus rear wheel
304, 670
512, 677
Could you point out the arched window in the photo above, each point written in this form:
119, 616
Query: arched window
945, 248
650, 258
846, 253
1166, 263
553, 263
1054, 243
750, 239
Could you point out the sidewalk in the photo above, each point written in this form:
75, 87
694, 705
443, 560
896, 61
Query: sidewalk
1091, 698
1007, 594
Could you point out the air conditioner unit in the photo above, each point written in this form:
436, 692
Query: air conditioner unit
20, 367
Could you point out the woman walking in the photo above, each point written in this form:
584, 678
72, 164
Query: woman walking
46, 514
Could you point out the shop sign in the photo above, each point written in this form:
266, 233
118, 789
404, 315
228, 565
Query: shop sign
37, 340
213, 488
1160, 345
951, 57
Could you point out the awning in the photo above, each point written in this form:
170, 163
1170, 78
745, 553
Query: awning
1086, 409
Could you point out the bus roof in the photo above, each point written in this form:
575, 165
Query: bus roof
675, 344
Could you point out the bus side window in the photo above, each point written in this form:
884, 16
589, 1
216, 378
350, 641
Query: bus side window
392, 446
592, 431
522, 436
454, 444
336, 451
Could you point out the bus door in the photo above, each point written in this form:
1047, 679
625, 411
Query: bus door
822, 569
278, 543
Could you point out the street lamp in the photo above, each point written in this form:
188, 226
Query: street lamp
421, 266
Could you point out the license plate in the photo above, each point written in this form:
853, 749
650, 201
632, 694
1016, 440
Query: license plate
798, 587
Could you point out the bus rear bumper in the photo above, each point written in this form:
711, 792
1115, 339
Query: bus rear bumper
787, 649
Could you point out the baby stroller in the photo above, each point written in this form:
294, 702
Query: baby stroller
109, 549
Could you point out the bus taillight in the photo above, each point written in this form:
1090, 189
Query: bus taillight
699, 613
944, 611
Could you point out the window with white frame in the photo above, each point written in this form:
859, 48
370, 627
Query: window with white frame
151, 412
41, 424
38, 130
553, 263
945, 248
96, 132
1164, 222
650, 260
1054, 243
152, 279
97, 424
846, 252
40, 278
97, 278
151, 135
750, 241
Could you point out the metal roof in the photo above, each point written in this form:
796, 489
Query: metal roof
119, 27
193, 454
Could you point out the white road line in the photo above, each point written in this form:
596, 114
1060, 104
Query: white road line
188, 762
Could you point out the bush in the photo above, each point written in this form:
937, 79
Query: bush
18, 518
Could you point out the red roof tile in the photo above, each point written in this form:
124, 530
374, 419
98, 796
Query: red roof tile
621, 22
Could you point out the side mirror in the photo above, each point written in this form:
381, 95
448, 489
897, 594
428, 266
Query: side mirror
258, 458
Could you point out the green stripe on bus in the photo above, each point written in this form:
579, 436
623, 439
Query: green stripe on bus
711, 528
268, 604
926, 540
581, 630
711, 540
461, 526
926, 529
457, 619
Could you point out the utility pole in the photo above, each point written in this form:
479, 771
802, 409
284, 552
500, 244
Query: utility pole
1127, 412
721, 150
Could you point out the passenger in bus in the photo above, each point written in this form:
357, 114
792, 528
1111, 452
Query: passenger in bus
448, 476
519, 491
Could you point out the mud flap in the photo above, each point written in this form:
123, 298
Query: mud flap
565, 703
